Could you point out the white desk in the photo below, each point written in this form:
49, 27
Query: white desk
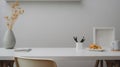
7, 55
69, 54
60, 54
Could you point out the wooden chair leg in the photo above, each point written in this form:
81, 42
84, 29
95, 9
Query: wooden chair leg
1, 63
7, 63
117, 63
11, 63
109, 63
97, 63
101, 63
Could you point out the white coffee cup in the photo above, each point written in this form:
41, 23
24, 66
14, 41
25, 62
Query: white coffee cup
115, 45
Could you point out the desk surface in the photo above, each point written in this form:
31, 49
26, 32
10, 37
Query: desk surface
60, 54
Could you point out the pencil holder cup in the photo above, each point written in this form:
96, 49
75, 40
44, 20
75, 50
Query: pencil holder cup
115, 46
79, 46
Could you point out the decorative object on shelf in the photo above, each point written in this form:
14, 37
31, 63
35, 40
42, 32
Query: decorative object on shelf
9, 38
103, 36
79, 44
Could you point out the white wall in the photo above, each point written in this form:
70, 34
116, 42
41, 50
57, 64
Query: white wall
53, 24
4, 10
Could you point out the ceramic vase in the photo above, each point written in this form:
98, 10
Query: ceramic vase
9, 39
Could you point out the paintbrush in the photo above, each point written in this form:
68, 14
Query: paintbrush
75, 38
83, 39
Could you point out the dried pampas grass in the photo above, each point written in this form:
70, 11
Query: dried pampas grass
16, 11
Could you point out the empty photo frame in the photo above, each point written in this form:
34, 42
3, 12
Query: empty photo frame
103, 36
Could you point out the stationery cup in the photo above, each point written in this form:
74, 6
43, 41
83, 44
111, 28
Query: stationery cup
115, 45
79, 46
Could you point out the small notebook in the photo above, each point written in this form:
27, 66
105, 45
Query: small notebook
22, 49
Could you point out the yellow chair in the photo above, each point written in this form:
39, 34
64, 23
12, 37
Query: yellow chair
32, 62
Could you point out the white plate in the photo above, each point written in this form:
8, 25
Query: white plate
99, 50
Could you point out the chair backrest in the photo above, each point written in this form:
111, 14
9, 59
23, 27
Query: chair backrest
30, 62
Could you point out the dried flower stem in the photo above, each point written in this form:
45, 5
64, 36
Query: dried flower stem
16, 11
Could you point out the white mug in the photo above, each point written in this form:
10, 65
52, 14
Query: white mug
115, 45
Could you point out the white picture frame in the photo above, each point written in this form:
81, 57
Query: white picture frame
103, 36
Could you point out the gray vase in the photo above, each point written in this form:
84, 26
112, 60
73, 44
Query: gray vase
9, 40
